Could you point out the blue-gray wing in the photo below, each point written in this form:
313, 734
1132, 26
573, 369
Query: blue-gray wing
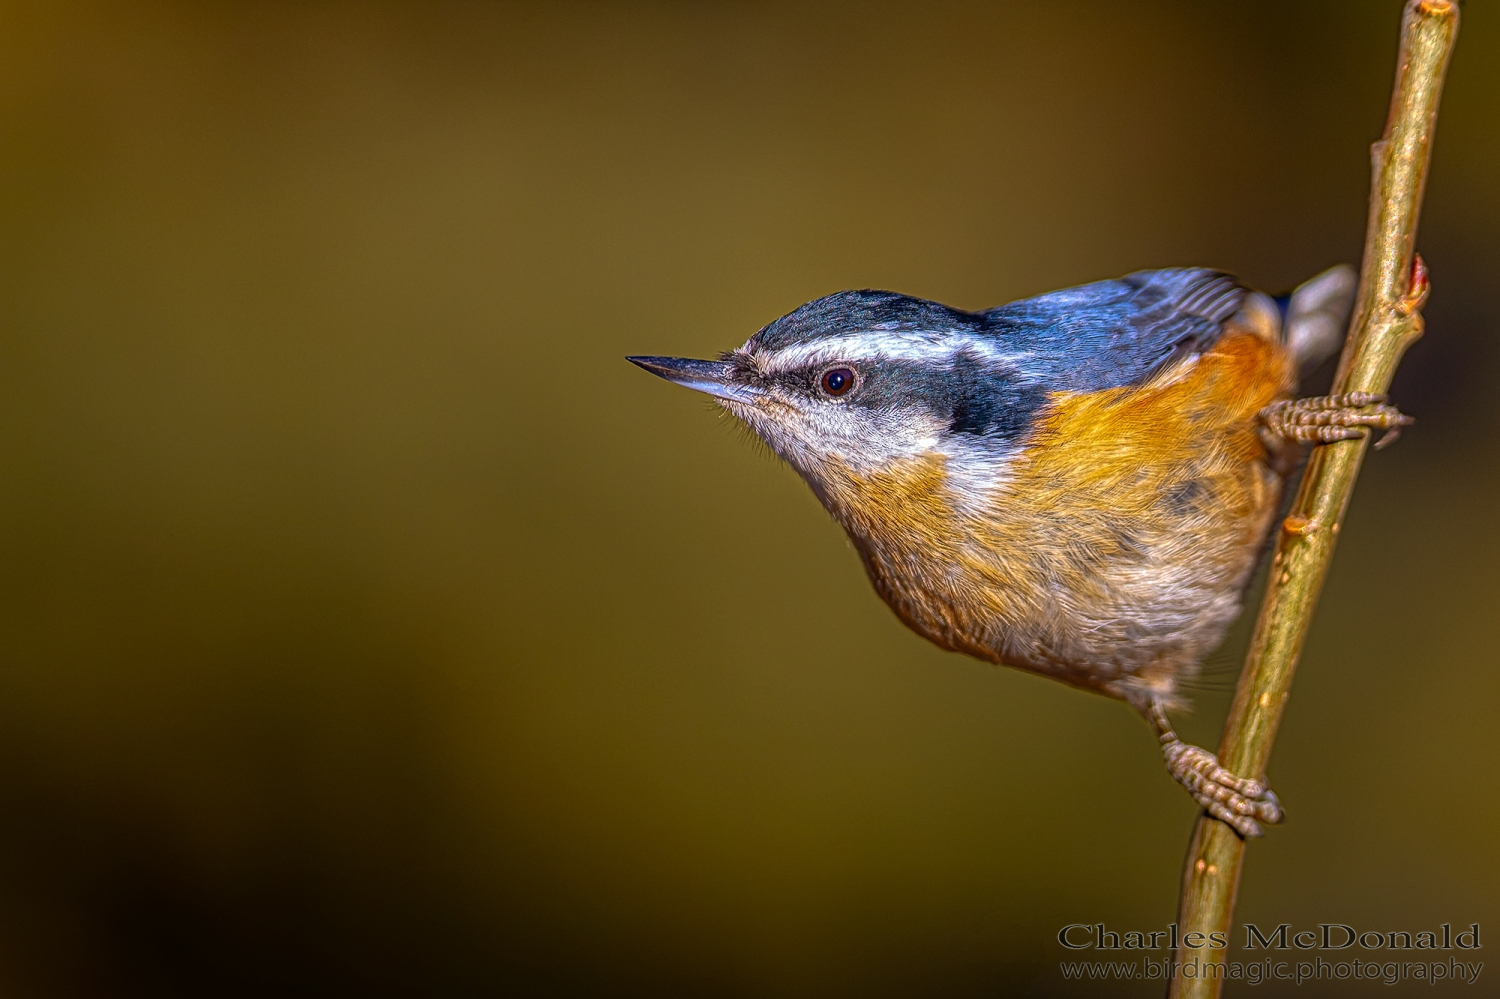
1113, 333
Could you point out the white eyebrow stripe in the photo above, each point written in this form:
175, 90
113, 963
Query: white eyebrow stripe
883, 346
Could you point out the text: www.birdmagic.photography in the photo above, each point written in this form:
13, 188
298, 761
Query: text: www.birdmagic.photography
1272, 970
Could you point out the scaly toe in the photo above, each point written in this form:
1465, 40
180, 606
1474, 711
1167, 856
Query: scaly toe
1243, 803
1325, 419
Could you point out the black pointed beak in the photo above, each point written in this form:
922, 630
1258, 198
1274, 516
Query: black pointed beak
714, 377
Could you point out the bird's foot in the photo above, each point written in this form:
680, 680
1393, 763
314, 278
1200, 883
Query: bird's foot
1327, 418
1239, 801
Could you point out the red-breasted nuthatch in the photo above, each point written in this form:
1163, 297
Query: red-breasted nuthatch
1078, 484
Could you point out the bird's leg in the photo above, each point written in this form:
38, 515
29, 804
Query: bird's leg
1241, 802
1325, 418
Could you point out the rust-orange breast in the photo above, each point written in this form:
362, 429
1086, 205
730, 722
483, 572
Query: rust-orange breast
1113, 549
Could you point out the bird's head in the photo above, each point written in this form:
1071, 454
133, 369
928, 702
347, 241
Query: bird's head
854, 382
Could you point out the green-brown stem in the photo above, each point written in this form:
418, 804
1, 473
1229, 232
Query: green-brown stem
1386, 321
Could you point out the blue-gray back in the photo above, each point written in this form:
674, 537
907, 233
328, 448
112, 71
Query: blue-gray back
1092, 337
1118, 332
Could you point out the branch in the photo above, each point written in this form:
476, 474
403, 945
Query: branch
1392, 287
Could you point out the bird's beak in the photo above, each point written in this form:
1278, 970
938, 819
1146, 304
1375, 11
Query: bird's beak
714, 377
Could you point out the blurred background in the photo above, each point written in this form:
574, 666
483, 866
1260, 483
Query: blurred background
369, 626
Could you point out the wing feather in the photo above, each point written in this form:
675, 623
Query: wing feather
1119, 332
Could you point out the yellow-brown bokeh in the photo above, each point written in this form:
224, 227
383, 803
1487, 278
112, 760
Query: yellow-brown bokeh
370, 626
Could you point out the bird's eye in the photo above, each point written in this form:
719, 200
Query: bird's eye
837, 381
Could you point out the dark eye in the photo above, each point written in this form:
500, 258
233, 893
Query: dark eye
837, 381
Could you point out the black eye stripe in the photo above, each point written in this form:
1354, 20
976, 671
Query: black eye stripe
837, 381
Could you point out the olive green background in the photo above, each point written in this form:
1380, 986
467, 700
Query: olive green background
369, 626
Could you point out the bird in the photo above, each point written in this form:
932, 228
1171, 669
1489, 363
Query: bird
1078, 485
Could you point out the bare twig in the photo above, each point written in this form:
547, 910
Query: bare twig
1393, 285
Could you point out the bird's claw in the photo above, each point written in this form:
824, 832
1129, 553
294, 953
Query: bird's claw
1327, 418
1241, 802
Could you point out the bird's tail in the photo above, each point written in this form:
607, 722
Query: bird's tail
1316, 315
